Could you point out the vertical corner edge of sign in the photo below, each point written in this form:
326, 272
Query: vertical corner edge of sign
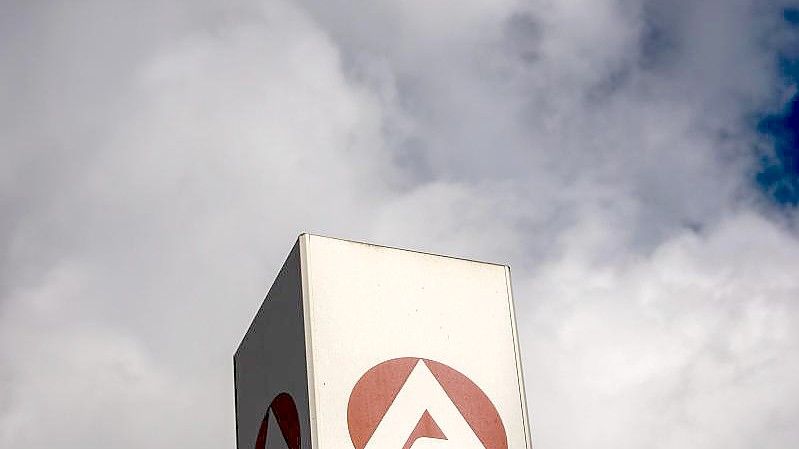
517, 351
304, 241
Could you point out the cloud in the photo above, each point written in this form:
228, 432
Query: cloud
693, 344
145, 228
158, 160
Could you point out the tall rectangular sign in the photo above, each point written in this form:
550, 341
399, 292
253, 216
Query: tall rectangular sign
360, 346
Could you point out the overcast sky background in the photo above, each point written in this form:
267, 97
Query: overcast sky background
633, 161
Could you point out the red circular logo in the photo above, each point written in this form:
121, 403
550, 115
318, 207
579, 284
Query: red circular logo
284, 411
398, 392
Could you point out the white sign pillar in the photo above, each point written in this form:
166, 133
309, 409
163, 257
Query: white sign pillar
360, 346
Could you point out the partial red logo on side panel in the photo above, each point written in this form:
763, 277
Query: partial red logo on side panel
443, 403
284, 411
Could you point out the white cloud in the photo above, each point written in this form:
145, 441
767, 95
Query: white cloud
694, 344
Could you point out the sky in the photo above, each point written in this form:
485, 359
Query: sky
635, 162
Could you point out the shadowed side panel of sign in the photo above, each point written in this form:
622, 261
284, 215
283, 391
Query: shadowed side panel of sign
270, 364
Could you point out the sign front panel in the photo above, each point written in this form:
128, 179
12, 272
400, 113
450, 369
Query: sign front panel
410, 350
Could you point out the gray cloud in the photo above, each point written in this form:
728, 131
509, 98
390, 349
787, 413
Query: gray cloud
158, 160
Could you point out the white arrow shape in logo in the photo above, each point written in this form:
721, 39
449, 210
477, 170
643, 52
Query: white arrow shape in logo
422, 416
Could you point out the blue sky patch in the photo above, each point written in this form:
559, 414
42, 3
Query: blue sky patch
791, 16
779, 169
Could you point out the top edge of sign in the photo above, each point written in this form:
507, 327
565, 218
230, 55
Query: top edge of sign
425, 253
